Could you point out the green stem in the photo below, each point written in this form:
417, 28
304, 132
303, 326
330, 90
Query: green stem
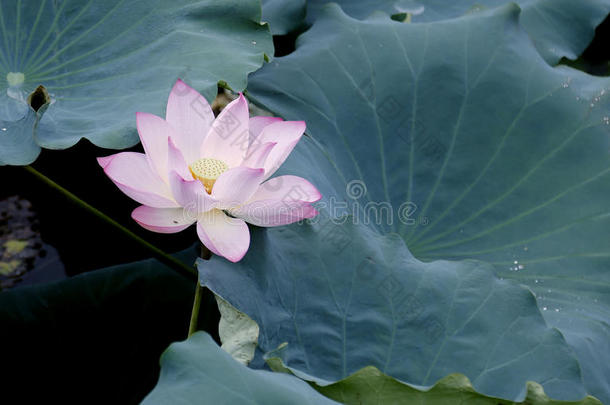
160, 255
205, 255
195, 311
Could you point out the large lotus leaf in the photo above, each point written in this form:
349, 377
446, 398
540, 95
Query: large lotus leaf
344, 297
371, 386
197, 371
101, 61
482, 149
559, 28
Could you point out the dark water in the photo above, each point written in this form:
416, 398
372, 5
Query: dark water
24, 257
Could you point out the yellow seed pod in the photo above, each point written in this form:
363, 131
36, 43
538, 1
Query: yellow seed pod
207, 171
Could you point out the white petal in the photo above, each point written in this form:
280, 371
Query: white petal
162, 220
280, 201
228, 138
154, 132
223, 235
235, 186
257, 124
286, 134
176, 161
289, 188
257, 156
133, 175
191, 195
189, 113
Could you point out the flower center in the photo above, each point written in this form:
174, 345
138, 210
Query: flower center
207, 171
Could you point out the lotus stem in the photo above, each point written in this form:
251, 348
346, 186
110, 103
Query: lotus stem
205, 255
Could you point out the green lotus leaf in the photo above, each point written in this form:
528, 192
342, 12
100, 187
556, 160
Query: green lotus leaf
371, 386
197, 371
344, 297
559, 28
482, 151
100, 62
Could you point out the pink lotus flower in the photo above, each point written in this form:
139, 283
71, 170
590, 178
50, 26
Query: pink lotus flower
212, 171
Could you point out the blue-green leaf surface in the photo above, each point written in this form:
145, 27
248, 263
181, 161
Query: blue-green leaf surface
197, 371
343, 298
283, 16
101, 61
498, 156
559, 28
